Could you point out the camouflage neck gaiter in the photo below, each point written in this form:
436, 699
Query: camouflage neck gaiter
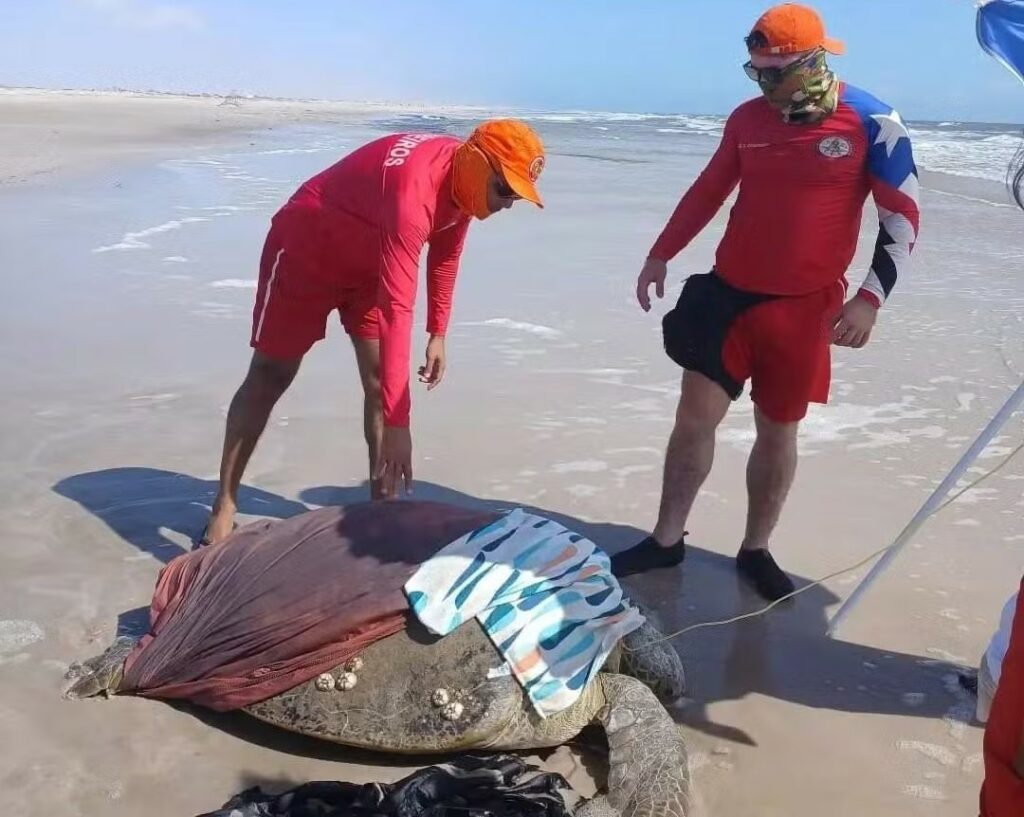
818, 97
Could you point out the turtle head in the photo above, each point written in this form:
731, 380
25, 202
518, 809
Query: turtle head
101, 675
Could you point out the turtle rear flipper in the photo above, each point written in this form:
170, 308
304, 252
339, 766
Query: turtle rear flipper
597, 807
648, 772
100, 675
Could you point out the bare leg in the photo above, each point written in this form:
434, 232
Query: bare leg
770, 472
250, 409
368, 360
691, 451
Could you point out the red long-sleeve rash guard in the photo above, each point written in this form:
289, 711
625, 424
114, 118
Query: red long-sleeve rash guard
376, 210
795, 224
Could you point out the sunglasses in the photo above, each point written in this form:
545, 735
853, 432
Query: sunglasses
502, 188
775, 76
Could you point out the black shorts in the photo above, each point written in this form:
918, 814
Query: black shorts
694, 331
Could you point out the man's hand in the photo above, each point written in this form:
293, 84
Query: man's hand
433, 372
654, 272
853, 326
395, 461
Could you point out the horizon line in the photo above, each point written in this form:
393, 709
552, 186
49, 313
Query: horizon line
423, 104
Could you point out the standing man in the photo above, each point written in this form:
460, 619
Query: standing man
350, 239
805, 155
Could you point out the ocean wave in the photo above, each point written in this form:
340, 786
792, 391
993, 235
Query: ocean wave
621, 160
517, 326
290, 151
133, 241
589, 116
968, 153
420, 123
974, 150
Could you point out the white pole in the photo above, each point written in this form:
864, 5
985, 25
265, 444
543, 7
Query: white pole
929, 507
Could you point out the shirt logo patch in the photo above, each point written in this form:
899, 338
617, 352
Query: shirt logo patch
835, 147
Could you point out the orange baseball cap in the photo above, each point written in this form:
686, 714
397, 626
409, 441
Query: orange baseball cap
516, 151
791, 29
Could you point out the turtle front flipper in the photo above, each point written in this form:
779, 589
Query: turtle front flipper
101, 675
648, 771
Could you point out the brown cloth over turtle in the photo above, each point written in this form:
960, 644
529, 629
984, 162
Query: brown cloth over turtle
279, 602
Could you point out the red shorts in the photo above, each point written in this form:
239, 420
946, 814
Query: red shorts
297, 293
783, 346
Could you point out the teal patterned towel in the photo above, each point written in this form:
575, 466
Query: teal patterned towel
545, 596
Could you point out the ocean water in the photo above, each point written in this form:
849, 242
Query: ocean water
186, 234
966, 149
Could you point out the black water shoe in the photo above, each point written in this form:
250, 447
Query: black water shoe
758, 568
648, 555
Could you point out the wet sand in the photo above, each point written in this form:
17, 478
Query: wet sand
124, 328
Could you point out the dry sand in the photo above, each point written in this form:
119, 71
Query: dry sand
45, 132
123, 333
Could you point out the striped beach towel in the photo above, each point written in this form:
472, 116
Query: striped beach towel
545, 596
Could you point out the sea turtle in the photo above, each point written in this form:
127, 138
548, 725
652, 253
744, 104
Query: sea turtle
414, 693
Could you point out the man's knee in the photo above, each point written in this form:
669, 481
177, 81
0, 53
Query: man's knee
777, 433
692, 424
702, 406
368, 361
269, 378
371, 385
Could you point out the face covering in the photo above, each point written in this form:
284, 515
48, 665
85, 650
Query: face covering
471, 176
818, 96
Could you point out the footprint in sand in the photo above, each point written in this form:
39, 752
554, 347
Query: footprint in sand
964, 400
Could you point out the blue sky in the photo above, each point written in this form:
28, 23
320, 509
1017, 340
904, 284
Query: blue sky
624, 55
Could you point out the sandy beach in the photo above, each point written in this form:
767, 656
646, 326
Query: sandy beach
132, 227
69, 132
